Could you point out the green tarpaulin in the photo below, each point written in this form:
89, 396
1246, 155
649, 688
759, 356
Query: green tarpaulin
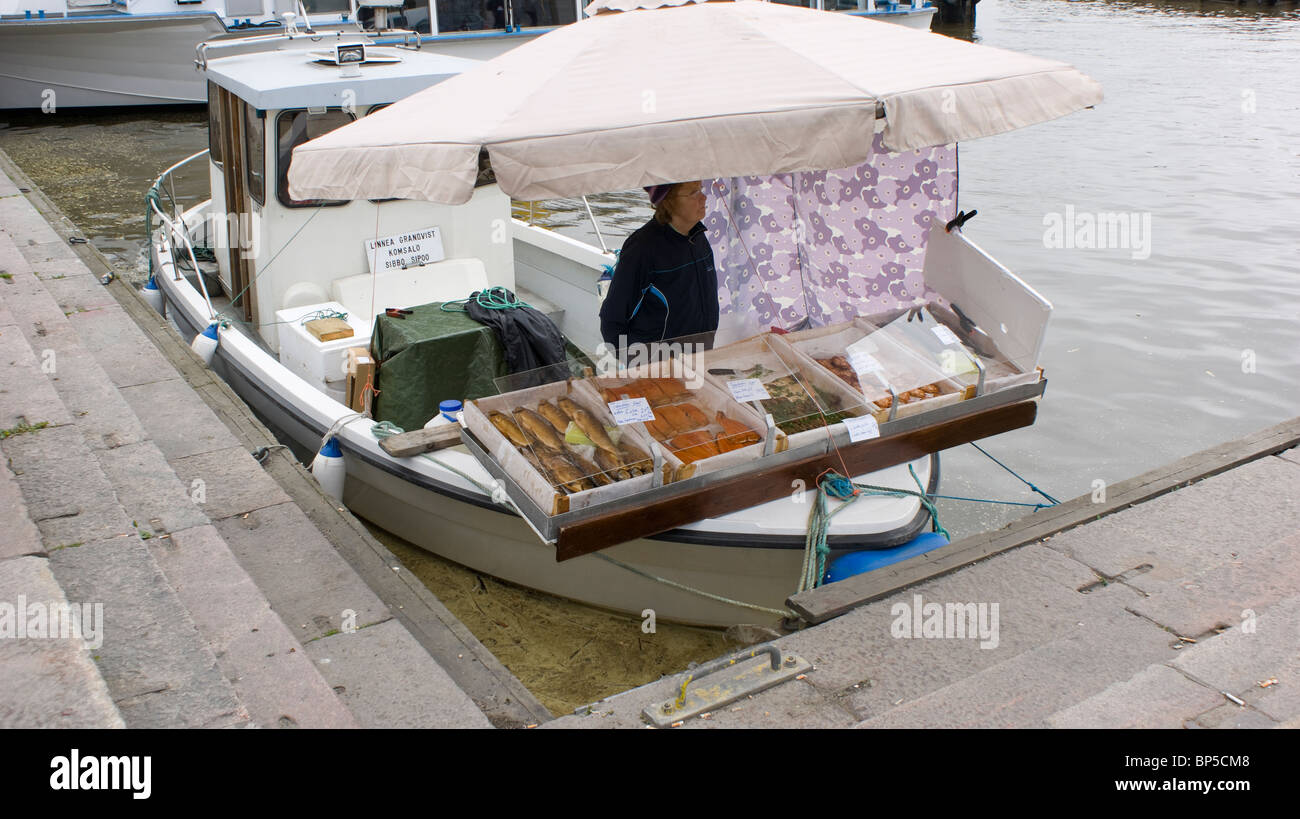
433, 355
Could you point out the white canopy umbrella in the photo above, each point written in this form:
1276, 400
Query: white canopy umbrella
678, 92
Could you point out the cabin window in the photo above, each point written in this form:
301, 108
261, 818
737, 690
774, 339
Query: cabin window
326, 6
293, 128
413, 16
476, 15
255, 153
530, 13
471, 15
214, 123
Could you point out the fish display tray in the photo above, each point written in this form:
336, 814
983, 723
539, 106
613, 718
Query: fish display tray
902, 367
825, 394
579, 531
710, 398
530, 482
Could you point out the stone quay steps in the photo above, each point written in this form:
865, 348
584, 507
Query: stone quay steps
230, 605
188, 640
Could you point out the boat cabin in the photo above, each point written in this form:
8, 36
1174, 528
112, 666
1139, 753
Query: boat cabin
277, 254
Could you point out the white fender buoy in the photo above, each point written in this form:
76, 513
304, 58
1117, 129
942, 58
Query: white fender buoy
205, 343
152, 295
328, 469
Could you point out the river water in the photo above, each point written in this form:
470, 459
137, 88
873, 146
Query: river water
1180, 341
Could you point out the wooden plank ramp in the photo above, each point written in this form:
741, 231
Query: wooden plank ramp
829, 601
417, 441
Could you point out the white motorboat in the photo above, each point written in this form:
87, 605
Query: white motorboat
59, 54
279, 260
917, 14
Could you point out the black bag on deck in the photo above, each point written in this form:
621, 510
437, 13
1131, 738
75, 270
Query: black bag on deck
530, 339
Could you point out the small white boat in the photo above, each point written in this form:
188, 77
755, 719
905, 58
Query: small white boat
911, 13
59, 54
286, 257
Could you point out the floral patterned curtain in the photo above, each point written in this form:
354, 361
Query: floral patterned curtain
830, 245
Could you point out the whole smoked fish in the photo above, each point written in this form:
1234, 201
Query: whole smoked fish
589, 425
508, 428
540, 429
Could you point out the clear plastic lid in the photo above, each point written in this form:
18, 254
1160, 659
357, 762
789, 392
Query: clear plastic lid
755, 371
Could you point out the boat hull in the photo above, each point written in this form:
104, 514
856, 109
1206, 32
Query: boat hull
115, 60
466, 527
920, 18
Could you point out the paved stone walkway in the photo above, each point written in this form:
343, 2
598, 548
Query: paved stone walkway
1147, 618
223, 604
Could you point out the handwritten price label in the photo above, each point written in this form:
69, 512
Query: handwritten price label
863, 363
748, 389
631, 411
861, 429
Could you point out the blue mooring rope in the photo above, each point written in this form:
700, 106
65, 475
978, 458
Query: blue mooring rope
1013, 472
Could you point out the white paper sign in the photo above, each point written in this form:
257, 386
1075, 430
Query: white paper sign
945, 335
863, 363
861, 429
631, 411
403, 250
745, 390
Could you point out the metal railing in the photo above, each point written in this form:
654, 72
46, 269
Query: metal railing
175, 229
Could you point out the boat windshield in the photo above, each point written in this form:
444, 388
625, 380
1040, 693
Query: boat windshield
481, 15
326, 6
293, 128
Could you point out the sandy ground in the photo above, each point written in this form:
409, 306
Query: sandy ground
566, 653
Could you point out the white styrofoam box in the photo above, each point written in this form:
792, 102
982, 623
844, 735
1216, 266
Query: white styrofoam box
447, 280
318, 361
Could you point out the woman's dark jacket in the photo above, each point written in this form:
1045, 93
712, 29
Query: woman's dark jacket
664, 287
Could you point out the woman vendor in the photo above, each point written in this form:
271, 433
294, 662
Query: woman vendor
664, 286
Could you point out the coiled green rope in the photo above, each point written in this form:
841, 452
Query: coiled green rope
494, 298
832, 484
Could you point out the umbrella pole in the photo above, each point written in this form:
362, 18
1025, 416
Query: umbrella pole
592, 217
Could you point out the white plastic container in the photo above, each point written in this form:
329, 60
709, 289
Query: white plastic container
319, 363
448, 413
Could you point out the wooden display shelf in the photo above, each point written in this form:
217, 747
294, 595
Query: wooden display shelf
667, 511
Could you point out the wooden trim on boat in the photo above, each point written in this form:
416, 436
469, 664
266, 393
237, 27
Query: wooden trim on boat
746, 490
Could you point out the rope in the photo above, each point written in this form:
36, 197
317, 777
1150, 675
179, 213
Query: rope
1013, 472
385, 429
494, 298
832, 484
701, 593
267, 267
1035, 506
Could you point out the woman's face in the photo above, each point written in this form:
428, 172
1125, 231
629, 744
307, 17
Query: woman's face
688, 202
